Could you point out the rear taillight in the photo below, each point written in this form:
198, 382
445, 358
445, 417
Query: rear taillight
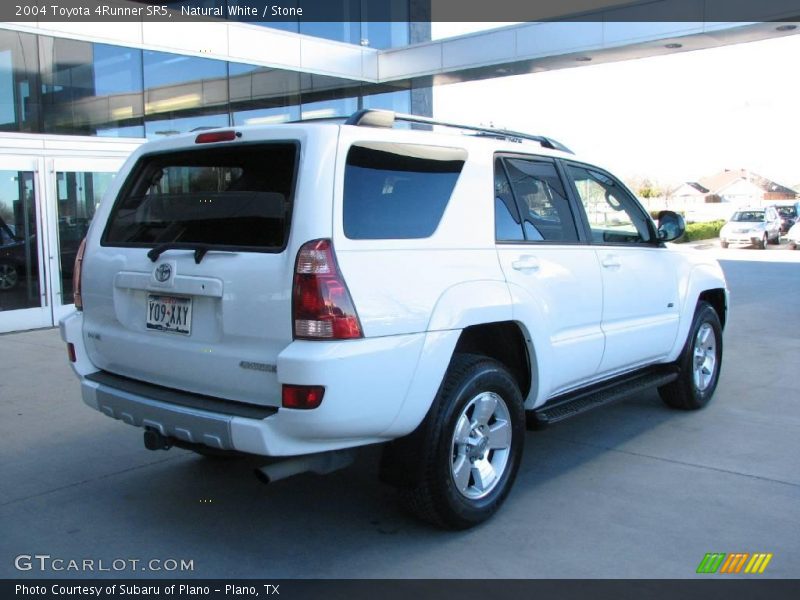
322, 308
303, 397
76, 276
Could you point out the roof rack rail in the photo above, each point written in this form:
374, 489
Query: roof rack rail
386, 118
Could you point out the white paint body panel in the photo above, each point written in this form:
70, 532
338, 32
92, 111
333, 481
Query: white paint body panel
582, 322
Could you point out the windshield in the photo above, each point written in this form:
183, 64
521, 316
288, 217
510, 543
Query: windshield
787, 211
749, 216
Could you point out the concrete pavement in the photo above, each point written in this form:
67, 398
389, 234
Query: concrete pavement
632, 490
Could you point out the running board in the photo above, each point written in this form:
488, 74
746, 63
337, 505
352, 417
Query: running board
575, 403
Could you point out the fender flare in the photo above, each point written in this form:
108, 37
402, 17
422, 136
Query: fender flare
701, 278
455, 310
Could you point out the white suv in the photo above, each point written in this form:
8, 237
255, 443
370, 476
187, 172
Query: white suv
300, 290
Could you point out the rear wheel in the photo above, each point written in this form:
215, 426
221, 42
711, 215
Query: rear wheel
9, 276
473, 445
699, 363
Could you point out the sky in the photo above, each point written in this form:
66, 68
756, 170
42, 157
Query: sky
671, 118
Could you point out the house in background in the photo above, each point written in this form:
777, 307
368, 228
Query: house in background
690, 192
734, 186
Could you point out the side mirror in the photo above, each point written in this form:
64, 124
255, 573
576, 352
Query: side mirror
671, 226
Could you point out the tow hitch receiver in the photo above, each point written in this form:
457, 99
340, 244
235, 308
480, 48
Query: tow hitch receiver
153, 440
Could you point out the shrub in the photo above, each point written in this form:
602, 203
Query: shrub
701, 231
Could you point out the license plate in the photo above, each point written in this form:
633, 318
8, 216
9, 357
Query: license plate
169, 313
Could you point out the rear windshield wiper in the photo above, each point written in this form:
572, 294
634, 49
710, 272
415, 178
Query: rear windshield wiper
200, 250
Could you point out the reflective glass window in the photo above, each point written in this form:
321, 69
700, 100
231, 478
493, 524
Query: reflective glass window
91, 89
183, 93
398, 101
325, 96
19, 82
19, 251
260, 95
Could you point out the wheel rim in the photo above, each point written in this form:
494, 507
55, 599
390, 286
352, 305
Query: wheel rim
8, 277
705, 357
481, 445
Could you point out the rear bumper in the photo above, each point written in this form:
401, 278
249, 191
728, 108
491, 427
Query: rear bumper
366, 387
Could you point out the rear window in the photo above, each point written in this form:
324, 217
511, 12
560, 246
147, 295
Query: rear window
236, 197
398, 191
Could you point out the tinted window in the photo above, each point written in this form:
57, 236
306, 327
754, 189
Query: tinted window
398, 191
236, 196
544, 207
613, 215
507, 226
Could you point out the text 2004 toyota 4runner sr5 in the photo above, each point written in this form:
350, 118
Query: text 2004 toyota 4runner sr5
300, 290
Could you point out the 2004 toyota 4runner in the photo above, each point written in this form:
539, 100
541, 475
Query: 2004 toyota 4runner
300, 290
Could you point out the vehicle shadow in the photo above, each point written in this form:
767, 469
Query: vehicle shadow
217, 512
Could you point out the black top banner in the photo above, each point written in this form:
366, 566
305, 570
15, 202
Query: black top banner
265, 11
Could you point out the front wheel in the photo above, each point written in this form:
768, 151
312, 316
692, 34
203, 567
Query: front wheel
699, 363
763, 243
473, 445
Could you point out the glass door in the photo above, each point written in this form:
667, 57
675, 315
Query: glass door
76, 187
24, 302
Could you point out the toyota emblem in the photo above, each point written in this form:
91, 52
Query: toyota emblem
163, 272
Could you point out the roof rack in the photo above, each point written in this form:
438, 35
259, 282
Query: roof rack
387, 118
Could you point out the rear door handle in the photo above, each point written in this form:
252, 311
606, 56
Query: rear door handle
526, 263
611, 261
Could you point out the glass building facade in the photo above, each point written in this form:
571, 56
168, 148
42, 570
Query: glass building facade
72, 87
106, 98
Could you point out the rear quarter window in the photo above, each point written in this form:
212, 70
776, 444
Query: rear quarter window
398, 191
236, 197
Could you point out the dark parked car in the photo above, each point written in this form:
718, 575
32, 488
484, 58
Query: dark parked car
788, 214
16, 251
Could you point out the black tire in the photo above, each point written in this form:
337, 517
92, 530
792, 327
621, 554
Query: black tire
762, 245
684, 393
9, 276
724, 244
471, 380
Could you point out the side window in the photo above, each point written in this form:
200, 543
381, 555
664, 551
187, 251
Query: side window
543, 204
613, 215
398, 191
507, 226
